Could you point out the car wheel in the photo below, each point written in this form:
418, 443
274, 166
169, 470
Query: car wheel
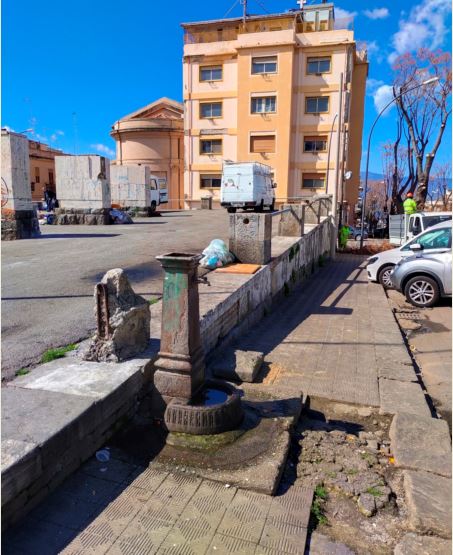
231, 210
153, 206
384, 276
358, 237
272, 206
422, 291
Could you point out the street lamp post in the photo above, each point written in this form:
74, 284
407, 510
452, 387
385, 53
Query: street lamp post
427, 82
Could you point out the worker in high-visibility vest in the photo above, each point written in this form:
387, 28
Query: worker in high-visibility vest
409, 205
343, 235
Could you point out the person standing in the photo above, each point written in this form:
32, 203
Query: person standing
343, 235
409, 205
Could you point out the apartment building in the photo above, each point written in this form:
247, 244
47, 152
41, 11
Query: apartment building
42, 168
267, 88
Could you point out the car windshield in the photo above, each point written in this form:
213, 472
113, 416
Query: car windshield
433, 239
429, 221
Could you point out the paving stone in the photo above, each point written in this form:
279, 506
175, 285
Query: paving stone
40, 537
397, 371
90, 489
87, 543
421, 443
428, 499
150, 479
70, 512
284, 537
293, 507
318, 544
245, 516
411, 544
225, 545
113, 469
399, 396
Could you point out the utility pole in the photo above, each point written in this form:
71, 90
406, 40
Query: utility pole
333, 240
244, 10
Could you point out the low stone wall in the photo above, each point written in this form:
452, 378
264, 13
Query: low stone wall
82, 216
19, 224
247, 305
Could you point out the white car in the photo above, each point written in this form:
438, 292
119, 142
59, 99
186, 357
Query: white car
380, 266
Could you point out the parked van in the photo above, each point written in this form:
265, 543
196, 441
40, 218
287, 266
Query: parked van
163, 190
404, 227
247, 185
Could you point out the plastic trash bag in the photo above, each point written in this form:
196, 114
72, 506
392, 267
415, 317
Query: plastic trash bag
120, 217
216, 255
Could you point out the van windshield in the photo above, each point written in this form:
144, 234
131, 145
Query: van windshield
429, 221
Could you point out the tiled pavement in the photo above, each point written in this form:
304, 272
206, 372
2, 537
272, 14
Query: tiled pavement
153, 511
329, 340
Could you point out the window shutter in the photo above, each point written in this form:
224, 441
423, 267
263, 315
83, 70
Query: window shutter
262, 143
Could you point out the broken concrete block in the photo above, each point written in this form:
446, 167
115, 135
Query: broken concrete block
238, 365
421, 443
428, 498
123, 320
366, 504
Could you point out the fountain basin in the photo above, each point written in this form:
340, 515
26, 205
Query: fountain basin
215, 409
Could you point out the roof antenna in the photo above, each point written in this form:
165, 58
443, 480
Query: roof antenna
244, 9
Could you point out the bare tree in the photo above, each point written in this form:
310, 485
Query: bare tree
424, 111
398, 170
440, 194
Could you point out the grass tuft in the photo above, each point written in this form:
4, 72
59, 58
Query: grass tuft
317, 509
22, 372
154, 301
59, 352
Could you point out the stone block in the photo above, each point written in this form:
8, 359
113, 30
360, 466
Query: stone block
396, 396
292, 222
428, 500
238, 365
250, 237
21, 464
421, 443
412, 544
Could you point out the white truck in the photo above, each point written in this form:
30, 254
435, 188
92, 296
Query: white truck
403, 227
134, 186
247, 185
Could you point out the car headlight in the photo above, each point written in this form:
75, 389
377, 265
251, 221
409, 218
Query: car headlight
372, 260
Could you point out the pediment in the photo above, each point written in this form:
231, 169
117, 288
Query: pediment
164, 108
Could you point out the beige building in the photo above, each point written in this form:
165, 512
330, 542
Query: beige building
153, 137
42, 168
267, 89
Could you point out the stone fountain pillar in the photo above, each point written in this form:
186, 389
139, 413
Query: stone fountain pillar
180, 365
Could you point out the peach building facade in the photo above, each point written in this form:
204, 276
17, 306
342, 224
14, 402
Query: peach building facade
42, 168
153, 136
267, 89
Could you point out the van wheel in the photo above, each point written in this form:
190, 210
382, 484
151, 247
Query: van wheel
231, 210
384, 276
260, 208
272, 206
422, 291
153, 206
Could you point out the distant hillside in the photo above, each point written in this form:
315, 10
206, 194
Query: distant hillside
371, 175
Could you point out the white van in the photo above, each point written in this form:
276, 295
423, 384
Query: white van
163, 190
404, 227
247, 185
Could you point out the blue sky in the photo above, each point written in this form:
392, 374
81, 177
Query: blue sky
70, 69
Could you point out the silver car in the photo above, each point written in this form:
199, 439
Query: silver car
426, 277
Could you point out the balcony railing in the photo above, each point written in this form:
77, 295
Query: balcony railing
200, 37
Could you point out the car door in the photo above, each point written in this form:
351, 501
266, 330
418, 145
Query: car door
433, 241
447, 272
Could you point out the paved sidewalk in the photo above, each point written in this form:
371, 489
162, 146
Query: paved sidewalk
335, 339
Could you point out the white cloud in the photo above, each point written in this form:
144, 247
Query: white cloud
103, 149
382, 96
374, 51
41, 138
377, 13
343, 14
8, 128
373, 84
58, 132
424, 27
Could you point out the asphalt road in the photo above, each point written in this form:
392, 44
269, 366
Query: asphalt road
48, 283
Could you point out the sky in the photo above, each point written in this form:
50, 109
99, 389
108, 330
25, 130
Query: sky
71, 69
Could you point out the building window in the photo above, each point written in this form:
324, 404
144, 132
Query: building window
313, 180
211, 110
316, 104
262, 143
318, 65
37, 175
51, 181
263, 104
211, 146
211, 73
315, 144
266, 64
32, 187
210, 181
